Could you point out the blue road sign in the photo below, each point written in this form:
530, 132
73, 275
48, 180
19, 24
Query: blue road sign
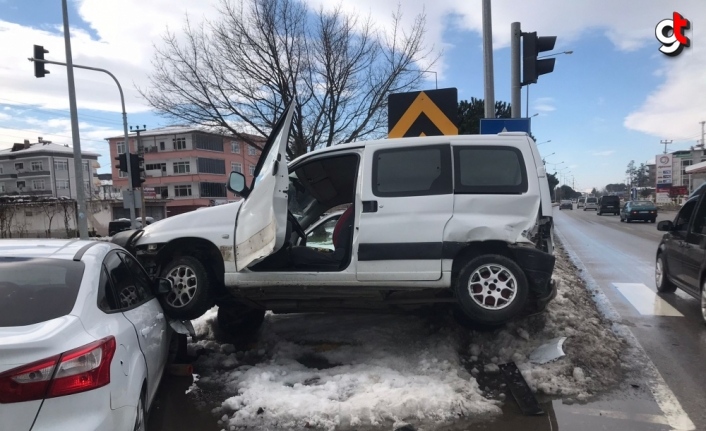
493, 126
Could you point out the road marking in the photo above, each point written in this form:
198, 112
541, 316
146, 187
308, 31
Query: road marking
662, 394
637, 417
645, 301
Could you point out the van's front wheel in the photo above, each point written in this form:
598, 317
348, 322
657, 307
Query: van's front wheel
491, 289
191, 294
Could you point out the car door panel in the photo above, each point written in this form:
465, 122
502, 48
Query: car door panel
693, 250
261, 223
675, 245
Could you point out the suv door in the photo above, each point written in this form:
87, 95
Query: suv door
261, 223
407, 199
675, 241
693, 251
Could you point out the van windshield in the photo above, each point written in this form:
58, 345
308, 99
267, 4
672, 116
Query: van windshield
591, 200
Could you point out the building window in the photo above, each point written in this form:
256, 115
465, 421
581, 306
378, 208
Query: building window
19, 166
252, 170
156, 167
213, 190
120, 146
211, 166
182, 167
37, 166
236, 167
252, 151
0, 169
85, 165
21, 186
182, 191
61, 165
161, 192
179, 143
37, 184
235, 147
62, 184
208, 142
122, 174
2, 188
161, 146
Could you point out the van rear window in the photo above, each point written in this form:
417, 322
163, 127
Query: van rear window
489, 170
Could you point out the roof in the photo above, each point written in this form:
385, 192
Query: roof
698, 168
47, 248
179, 129
37, 149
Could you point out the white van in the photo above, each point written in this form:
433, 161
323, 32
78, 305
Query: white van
461, 219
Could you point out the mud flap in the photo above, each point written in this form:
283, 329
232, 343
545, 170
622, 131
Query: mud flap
520, 390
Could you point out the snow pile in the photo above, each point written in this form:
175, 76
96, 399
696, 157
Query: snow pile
341, 371
593, 352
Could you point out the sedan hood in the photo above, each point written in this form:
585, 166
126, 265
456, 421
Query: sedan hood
204, 222
22, 345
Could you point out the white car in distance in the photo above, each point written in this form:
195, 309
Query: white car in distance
83, 338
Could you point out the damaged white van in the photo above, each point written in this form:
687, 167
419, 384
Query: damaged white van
368, 225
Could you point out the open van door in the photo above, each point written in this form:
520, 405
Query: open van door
261, 223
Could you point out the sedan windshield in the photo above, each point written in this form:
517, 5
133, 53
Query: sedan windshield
37, 290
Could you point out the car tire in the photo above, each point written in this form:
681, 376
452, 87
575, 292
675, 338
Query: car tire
703, 301
237, 320
141, 416
627, 220
491, 289
653, 220
191, 294
661, 276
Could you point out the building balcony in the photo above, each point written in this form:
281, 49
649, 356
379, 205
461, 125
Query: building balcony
6, 176
33, 174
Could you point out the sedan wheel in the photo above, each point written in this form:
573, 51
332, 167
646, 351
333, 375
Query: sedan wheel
140, 418
703, 301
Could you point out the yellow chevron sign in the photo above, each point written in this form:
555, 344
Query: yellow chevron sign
423, 113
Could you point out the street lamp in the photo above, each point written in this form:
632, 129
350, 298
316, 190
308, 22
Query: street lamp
545, 142
528, 85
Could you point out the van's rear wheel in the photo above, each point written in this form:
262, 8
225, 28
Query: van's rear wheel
491, 289
191, 294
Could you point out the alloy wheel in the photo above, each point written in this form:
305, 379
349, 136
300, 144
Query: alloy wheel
492, 287
184, 285
659, 271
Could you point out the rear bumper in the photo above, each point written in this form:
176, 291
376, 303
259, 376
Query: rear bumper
642, 216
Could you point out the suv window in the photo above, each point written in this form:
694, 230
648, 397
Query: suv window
610, 200
418, 171
681, 223
491, 170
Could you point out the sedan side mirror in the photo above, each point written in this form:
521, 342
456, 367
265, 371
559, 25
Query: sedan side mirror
665, 226
236, 184
163, 286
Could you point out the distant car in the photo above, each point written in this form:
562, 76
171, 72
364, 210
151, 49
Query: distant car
580, 203
123, 224
638, 210
681, 261
609, 204
591, 204
566, 204
84, 340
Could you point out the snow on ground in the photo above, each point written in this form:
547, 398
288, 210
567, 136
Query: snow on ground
344, 371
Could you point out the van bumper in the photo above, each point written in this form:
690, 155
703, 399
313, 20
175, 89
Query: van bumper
538, 267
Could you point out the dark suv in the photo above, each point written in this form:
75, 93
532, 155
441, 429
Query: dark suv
681, 257
609, 204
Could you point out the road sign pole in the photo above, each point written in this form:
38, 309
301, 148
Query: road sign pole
515, 85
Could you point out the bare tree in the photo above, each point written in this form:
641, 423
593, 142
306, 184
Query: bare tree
50, 209
239, 72
68, 209
7, 213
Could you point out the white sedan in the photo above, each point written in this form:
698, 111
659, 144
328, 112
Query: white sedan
83, 339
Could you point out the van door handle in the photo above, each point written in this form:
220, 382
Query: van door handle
370, 206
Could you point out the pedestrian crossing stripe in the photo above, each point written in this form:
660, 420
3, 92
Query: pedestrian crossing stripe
646, 301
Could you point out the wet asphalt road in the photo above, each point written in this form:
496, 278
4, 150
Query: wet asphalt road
620, 258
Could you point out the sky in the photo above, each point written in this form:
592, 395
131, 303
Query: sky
609, 102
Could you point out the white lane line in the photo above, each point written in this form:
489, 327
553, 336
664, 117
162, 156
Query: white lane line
645, 301
637, 417
664, 397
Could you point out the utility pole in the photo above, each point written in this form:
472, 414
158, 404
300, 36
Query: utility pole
141, 152
81, 219
515, 84
488, 61
702, 134
665, 142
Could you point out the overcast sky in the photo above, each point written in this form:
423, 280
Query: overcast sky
609, 102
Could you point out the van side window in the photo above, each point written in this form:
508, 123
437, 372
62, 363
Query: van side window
489, 170
417, 171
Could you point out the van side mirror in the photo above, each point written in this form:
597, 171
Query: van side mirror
163, 286
236, 184
665, 226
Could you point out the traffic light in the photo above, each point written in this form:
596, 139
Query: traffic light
532, 67
39, 70
137, 166
122, 162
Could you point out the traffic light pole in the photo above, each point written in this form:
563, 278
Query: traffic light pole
127, 140
516, 85
143, 209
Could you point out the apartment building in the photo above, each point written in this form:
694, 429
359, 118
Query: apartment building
187, 166
45, 169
